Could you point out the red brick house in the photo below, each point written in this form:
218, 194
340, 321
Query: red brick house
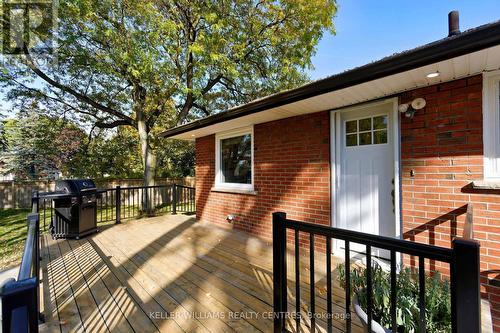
398, 147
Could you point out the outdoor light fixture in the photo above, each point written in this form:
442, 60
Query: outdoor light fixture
433, 74
403, 108
409, 109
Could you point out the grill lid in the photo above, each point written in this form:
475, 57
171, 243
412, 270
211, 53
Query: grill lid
75, 186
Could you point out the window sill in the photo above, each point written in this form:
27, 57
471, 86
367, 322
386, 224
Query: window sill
233, 190
486, 184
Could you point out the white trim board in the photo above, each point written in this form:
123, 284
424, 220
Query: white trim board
491, 124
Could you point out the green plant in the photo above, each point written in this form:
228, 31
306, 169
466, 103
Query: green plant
437, 298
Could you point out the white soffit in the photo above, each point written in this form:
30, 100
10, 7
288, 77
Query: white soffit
451, 69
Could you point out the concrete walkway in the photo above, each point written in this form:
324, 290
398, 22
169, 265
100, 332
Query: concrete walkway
8, 273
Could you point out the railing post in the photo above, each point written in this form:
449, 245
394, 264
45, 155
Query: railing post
118, 204
174, 199
17, 297
279, 271
465, 287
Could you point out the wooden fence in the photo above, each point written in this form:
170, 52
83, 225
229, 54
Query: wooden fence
17, 194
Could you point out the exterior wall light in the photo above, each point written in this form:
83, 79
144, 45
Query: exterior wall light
409, 109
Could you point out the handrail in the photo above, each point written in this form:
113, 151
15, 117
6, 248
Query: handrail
51, 194
147, 187
28, 261
20, 299
382, 242
184, 186
35, 202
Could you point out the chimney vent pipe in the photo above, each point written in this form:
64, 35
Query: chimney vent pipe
453, 23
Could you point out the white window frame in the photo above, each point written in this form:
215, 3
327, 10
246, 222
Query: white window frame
491, 125
218, 173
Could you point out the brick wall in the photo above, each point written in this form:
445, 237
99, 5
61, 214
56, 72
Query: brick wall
443, 145
291, 161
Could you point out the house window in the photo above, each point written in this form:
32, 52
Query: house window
491, 124
234, 159
366, 131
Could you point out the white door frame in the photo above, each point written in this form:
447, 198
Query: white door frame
335, 165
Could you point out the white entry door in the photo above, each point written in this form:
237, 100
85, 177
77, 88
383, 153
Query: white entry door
366, 196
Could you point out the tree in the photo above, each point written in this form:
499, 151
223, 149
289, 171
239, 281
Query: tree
40, 146
153, 64
112, 155
5, 156
3, 138
176, 159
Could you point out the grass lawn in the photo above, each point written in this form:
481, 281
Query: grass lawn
13, 230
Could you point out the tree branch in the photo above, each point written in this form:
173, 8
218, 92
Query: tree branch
76, 94
202, 108
211, 83
116, 123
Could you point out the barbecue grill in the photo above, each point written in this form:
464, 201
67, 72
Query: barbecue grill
75, 208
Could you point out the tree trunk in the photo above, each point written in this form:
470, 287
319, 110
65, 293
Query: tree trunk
149, 164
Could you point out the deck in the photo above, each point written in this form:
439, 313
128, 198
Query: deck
170, 274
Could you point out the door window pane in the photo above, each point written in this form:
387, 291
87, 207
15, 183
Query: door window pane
351, 140
365, 124
351, 126
365, 138
380, 122
380, 136
236, 159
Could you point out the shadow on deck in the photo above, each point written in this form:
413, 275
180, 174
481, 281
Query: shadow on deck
170, 274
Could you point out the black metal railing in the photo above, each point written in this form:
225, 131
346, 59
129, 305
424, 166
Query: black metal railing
120, 203
21, 297
183, 199
463, 259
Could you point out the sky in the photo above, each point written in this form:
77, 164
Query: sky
368, 30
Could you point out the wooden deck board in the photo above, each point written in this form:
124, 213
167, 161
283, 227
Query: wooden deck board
47, 293
185, 289
89, 311
139, 293
172, 274
249, 285
108, 308
156, 292
67, 309
192, 302
126, 304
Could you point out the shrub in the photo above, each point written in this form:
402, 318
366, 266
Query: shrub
437, 297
